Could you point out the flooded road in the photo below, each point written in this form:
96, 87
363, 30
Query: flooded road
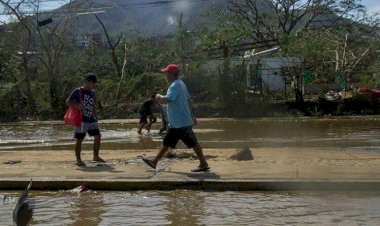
183, 207
344, 134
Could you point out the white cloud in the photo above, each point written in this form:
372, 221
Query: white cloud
374, 9
6, 19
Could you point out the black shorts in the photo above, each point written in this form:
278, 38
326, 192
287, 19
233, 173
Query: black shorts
185, 134
144, 118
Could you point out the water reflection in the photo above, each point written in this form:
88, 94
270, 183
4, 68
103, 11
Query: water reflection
199, 208
186, 208
82, 213
135, 208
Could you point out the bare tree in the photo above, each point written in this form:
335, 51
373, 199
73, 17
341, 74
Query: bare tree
277, 19
346, 58
122, 74
21, 47
120, 71
112, 45
46, 39
53, 39
268, 20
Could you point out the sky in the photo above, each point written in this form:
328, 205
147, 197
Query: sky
373, 6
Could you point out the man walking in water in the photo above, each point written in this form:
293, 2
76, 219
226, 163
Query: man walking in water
181, 119
83, 99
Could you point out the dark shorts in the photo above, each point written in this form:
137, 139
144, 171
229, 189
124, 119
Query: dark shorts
91, 128
144, 118
185, 134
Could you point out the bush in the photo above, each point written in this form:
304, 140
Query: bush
369, 81
146, 84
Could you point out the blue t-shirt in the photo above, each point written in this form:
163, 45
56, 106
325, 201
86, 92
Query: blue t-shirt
179, 115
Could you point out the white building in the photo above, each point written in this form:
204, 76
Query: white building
262, 74
266, 74
86, 40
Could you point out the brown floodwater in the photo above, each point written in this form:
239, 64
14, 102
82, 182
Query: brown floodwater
341, 134
182, 207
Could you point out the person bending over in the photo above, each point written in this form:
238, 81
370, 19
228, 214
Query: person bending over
147, 117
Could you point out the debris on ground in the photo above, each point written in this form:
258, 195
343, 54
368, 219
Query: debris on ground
141, 156
242, 154
11, 162
79, 189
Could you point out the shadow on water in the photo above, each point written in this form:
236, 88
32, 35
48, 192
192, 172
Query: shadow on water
99, 168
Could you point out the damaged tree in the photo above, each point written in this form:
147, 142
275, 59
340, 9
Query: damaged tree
120, 71
270, 20
49, 37
278, 20
21, 49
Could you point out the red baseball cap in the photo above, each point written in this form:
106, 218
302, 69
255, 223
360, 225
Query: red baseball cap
171, 68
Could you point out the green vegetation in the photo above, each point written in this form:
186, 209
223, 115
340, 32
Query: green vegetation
39, 66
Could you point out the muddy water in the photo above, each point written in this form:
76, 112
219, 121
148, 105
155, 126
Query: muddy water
344, 134
200, 207
197, 208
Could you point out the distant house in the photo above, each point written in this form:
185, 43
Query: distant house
87, 40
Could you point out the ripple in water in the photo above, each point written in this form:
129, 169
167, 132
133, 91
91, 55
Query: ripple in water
335, 134
197, 208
